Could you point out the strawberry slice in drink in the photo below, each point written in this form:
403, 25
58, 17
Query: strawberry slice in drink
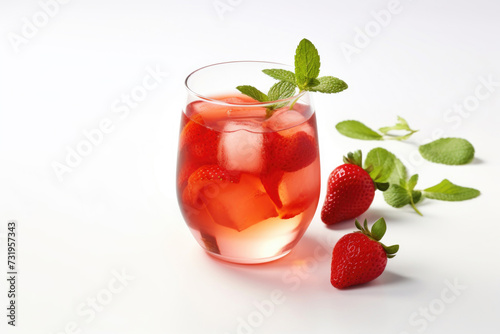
206, 182
198, 141
271, 179
285, 155
294, 152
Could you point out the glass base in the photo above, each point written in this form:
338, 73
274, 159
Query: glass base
248, 261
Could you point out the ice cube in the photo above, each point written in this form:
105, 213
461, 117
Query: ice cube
207, 114
288, 122
241, 205
240, 147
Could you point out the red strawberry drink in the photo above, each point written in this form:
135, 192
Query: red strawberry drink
248, 183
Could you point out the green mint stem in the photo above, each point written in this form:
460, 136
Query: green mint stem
402, 137
295, 101
414, 207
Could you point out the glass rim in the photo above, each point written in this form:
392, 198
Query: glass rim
232, 104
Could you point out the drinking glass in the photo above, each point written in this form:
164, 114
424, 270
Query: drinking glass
248, 183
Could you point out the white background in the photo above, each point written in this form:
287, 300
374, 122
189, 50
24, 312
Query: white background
116, 210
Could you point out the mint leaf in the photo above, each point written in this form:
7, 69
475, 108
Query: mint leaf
398, 172
328, 85
416, 196
281, 90
447, 191
382, 186
307, 63
374, 172
312, 84
253, 92
281, 75
448, 151
382, 162
398, 196
412, 182
401, 125
403, 193
357, 130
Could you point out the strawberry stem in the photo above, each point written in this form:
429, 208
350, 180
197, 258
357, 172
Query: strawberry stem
376, 233
354, 158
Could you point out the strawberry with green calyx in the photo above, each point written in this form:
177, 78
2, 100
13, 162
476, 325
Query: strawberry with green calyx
377, 174
351, 189
359, 257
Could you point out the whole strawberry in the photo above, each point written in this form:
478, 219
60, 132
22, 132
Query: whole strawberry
350, 191
359, 257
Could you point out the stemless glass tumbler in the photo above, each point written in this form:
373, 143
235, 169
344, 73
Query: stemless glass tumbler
248, 183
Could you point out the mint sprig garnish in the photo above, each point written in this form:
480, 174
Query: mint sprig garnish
401, 190
305, 78
357, 130
307, 64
